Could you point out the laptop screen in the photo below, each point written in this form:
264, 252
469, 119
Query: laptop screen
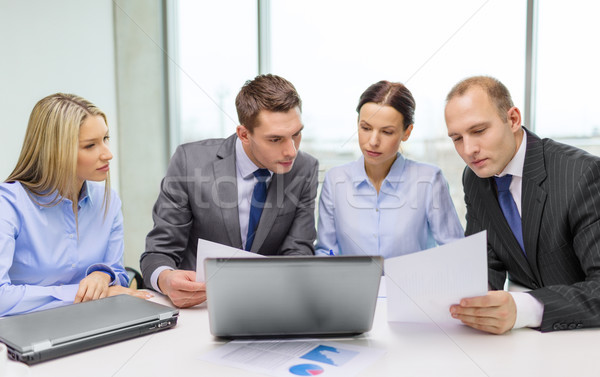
292, 296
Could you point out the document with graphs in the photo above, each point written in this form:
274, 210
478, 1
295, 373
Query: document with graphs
306, 357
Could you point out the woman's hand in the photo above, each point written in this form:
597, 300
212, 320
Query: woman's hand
119, 290
93, 287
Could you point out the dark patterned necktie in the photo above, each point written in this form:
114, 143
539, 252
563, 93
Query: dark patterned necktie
259, 195
509, 207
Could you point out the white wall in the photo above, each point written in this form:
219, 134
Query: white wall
76, 46
48, 47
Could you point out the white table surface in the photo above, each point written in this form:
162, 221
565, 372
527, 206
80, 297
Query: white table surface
411, 350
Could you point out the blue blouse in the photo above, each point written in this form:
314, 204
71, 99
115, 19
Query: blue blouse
42, 259
413, 211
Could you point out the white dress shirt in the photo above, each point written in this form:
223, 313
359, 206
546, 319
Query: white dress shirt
246, 181
529, 310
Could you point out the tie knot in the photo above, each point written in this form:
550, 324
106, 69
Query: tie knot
262, 174
503, 183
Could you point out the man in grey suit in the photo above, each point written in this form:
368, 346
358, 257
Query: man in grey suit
253, 190
539, 201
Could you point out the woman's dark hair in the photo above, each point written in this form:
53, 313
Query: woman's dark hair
392, 94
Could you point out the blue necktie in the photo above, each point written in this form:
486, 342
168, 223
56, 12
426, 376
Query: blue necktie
259, 195
509, 207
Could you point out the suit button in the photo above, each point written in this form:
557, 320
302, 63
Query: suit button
563, 326
572, 326
556, 326
580, 325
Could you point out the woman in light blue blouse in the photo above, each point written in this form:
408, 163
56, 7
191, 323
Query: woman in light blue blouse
61, 232
384, 204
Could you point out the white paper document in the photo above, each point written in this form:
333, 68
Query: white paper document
307, 357
422, 286
209, 249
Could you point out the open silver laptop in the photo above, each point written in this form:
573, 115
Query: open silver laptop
292, 296
48, 334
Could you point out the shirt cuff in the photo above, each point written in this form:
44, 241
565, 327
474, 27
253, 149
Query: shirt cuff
102, 268
65, 293
154, 277
529, 310
323, 252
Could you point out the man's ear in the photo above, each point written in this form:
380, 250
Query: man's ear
243, 134
514, 118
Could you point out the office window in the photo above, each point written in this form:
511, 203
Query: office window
333, 50
567, 72
218, 52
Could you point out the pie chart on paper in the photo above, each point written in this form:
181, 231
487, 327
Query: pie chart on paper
306, 370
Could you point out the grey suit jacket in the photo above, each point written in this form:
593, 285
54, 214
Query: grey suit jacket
560, 213
198, 199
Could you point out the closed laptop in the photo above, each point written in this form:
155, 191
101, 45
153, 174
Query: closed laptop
292, 296
52, 333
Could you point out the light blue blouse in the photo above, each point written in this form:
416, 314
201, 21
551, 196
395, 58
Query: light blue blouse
413, 211
42, 260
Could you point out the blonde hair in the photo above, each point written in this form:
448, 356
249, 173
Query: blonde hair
48, 161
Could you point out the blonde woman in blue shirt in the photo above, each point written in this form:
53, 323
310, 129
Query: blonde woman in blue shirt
384, 204
61, 232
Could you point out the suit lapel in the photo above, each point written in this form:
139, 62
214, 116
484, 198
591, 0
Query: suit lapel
486, 204
533, 198
225, 186
499, 222
273, 203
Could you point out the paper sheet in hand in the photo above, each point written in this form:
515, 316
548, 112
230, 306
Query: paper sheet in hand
422, 286
209, 249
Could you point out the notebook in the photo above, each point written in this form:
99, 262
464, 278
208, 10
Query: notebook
292, 296
48, 334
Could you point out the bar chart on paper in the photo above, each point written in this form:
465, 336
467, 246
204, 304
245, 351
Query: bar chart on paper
330, 355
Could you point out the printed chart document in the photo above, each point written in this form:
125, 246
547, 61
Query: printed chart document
209, 249
306, 357
421, 286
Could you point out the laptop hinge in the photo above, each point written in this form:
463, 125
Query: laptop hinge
42, 346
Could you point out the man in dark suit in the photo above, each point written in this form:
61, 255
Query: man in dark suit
539, 201
253, 190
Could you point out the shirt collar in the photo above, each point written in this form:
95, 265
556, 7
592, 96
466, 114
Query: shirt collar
515, 166
245, 166
359, 174
84, 195
393, 177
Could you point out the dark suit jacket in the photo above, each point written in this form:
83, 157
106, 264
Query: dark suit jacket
560, 213
198, 199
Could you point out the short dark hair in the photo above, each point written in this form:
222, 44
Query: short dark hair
392, 94
497, 92
266, 92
